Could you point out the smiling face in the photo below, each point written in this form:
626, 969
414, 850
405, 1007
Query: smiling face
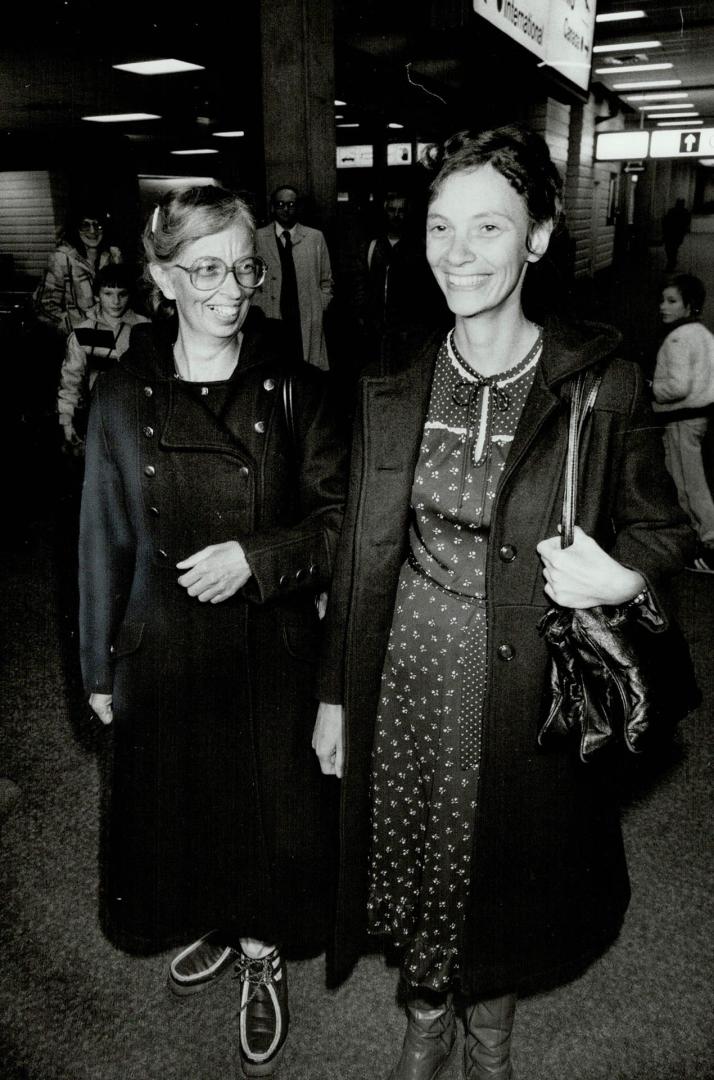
672, 306
479, 241
218, 313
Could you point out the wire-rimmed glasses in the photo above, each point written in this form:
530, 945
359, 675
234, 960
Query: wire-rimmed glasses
210, 272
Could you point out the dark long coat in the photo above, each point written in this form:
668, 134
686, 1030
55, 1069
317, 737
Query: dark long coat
549, 885
218, 814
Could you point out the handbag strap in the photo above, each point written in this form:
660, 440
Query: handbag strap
584, 395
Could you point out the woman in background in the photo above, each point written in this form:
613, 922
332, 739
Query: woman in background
66, 295
683, 388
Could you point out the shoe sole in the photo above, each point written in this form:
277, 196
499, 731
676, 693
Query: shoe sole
264, 1068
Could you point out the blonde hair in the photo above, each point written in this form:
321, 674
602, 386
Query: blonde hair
180, 218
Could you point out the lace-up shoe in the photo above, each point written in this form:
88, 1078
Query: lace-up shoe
264, 1017
201, 964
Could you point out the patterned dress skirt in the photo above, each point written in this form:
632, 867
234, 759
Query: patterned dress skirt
427, 750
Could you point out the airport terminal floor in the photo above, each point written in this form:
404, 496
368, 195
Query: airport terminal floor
75, 1008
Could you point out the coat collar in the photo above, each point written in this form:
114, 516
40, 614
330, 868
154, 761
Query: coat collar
150, 355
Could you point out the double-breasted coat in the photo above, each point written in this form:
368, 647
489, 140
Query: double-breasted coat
218, 814
549, 884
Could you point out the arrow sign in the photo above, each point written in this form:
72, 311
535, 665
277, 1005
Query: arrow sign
689, 143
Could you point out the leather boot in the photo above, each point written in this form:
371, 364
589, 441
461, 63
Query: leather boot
487, 1050
431, 1031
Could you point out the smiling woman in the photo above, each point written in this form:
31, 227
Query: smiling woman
493, 867
207, 531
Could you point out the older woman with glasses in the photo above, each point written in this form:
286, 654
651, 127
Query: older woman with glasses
212, 502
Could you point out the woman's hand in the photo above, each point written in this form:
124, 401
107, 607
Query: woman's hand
585, 576
215, 572
101, 705
328, 738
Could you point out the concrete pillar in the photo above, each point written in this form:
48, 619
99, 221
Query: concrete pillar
298, 56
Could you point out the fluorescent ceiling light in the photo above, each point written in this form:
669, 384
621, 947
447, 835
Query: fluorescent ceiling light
706, 161
645, 84
666, 105
348, 125
671, 94
619, 16
395, 125
228, 134
339, 116
621, 69
627, 46
158, 67
339, 103
123, 117
679, 124
671, 115
201, 151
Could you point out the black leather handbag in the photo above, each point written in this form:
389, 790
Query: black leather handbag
618, 674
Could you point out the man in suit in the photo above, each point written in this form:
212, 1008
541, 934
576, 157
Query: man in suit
298, 284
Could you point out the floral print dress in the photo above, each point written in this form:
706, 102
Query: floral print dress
426, 758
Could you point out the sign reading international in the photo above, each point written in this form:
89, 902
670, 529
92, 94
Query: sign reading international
559, 32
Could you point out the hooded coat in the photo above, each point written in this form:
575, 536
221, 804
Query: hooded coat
218, 815
549, 883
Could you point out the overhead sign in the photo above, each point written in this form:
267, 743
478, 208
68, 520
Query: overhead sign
673, 143
621, 145
559, 32
678, 142
355, 157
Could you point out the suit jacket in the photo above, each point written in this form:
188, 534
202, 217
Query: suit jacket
314, 282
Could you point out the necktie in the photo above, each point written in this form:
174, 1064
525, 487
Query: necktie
289, 304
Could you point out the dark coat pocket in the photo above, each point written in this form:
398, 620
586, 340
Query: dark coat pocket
302, 640
128, 639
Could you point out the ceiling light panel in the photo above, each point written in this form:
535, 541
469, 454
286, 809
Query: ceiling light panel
671, 94
667, 105
622, 69
619, 16
679, 124
228, 134
166, 66
646, 84
627, 46
122, 118
186, 153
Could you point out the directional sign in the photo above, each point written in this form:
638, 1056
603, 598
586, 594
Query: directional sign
680, 143
559, 32
621, 145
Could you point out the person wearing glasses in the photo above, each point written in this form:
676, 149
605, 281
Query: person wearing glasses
66, 294
298, 282
209, 517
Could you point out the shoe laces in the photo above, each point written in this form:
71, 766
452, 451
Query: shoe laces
257, 972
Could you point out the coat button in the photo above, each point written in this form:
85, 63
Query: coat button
505, 651
149, 432
314, 570
507, 553
259, 426
112, 649
283, 581
149, 470
154, 510
301, 574
148, 391
162, 554
244, 472
269, 384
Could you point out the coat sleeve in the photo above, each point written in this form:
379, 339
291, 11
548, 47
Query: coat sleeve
72, 376
673, 372
300, 557
652, 534
106, 554
325, 270
53, 293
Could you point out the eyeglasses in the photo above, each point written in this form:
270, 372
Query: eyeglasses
90, 223
210, 273
286, 204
